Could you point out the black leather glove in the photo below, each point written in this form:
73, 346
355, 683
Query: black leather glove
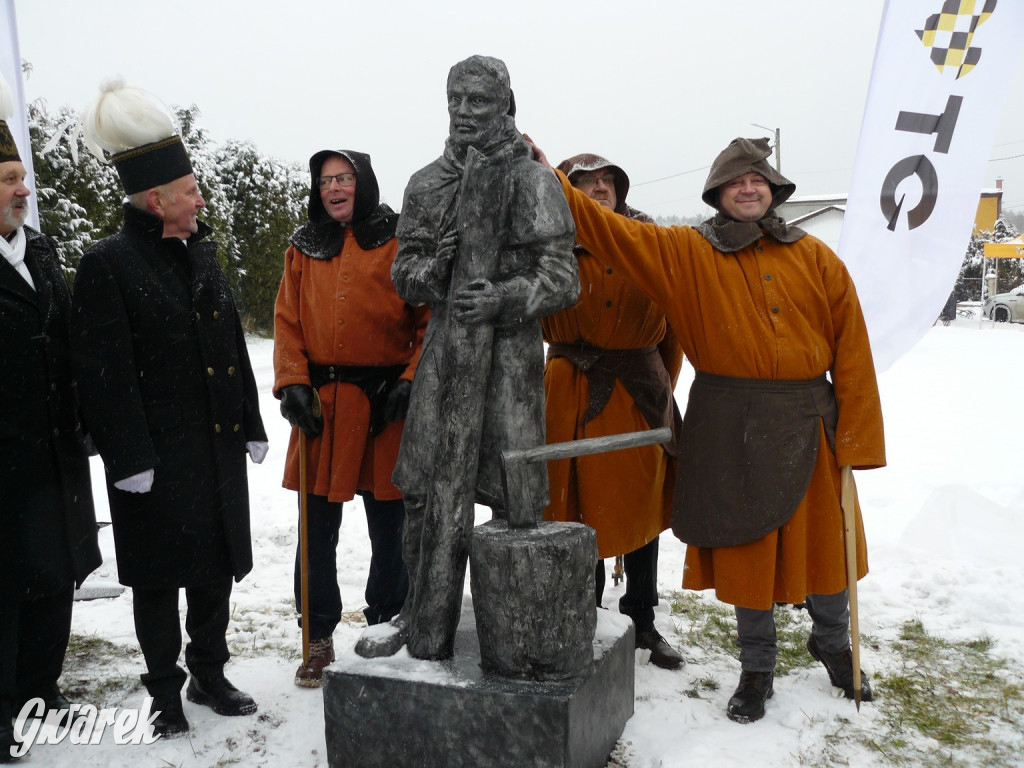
297, 407
397, 405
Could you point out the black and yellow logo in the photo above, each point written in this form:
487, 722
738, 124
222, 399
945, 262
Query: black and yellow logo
949, 34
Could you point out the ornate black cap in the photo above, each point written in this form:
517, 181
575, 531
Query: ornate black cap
152, 164
8, 149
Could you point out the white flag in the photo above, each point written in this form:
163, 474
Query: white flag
10, 65
937, 90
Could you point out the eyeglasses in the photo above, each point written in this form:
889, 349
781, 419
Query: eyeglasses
343, 179
589, 181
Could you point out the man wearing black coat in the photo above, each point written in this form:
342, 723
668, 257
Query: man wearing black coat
47, 524
170, 398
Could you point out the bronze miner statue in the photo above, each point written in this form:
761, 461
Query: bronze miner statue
485, 239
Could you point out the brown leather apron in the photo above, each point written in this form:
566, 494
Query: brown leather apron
746, 455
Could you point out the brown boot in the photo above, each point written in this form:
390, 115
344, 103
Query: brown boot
311, 674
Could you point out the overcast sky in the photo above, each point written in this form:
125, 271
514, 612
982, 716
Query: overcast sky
657, 86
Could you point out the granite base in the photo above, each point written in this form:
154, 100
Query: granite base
401, 711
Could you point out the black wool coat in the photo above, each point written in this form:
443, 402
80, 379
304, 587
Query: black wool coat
47, 522
165, 383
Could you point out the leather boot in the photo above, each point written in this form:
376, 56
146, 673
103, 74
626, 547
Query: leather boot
662, 654
311, 674
840, 670
747, 702
219, 695
53, 702
170, 721
7, 739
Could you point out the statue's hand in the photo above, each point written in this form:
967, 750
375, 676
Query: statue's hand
478, 302
447, 246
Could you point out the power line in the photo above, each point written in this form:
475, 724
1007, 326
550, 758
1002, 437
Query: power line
665, 178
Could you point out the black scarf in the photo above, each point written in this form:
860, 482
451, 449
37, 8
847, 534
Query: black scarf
729, 236
323, 239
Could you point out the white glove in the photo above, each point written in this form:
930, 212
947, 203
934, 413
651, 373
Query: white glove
257, 450
140, 483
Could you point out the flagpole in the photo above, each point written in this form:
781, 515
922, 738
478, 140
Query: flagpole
849, 504
10, 66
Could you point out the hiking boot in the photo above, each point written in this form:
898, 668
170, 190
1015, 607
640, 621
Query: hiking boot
840, 670
170, 721
56, 708
662, 654
53, 701
747, 702
311, 674
7, 741
7, 738
219, 695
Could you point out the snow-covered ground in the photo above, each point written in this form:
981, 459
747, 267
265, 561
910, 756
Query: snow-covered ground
945, 526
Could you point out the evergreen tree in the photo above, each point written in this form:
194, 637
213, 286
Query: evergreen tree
217, 214
268, 202
1010, 271
253, 203
79, 202
1014, 218
679, 221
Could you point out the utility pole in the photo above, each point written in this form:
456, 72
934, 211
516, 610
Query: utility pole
778, 144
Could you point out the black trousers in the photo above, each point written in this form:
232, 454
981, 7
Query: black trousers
641, 596
34, 633
387, 583
158, 628
830, 616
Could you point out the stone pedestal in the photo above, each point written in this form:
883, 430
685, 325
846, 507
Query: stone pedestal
401, 711
533, 592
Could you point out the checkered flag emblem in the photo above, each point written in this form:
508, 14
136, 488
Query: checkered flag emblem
949, 33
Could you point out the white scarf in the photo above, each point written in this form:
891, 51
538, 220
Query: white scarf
14, 252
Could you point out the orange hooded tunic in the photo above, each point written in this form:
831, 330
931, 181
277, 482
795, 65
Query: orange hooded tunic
625, 496
771, 311
344, 311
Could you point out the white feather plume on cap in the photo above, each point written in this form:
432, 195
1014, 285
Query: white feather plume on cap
124, 117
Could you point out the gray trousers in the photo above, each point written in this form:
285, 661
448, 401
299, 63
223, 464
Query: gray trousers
756, 629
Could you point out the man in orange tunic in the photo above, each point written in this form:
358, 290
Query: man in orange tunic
763, 312
612, 366
341, 328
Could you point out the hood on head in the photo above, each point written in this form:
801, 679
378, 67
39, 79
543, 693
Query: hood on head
588, 162
746, 156
367, 191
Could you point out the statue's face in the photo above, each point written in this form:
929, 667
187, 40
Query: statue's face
475, 111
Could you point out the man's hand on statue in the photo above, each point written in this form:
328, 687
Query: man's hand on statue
538, 153
297, 407
478, 302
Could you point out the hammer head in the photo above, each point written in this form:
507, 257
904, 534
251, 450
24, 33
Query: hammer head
519, 503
